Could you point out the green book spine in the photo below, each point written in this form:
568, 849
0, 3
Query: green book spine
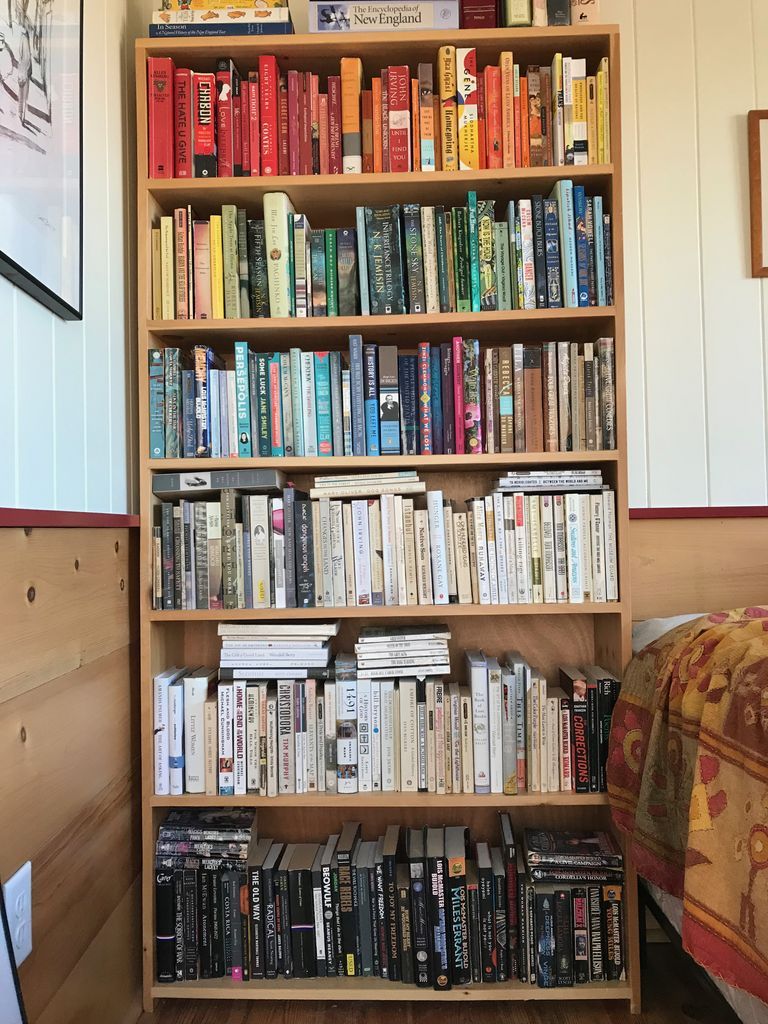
262, 398
231, 260
474, 253
291, 265
485, 234
331, 272
441, 244
501, 257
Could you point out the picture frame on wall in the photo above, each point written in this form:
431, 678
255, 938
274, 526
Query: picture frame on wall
41, 151
757, 136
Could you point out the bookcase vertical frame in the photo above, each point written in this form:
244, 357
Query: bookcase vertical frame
163, 637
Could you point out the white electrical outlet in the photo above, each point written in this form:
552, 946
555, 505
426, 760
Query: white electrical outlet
17, 893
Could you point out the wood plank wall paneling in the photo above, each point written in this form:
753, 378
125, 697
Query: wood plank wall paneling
69, 769
697, 565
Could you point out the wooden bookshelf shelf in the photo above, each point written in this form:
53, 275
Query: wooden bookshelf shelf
546, 634
374, 989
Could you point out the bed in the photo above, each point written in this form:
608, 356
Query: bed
688, 784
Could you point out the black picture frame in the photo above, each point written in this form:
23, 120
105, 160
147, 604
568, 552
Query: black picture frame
12, 958
22, 277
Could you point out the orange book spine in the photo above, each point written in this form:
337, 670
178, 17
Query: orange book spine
507, 65
525, 126
415, 126
482, 127
378, 165
516, 107
367, 107
324, 151
351, 129
438, 135
493, 143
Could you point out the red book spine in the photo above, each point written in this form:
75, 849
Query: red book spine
399, 81
385, 119
237, 125
282, 109
315, 121
224, 119
160, 89
294, 117
478, 14
268, 103
245, 129
324, 164
367, 109
334, 124
481, 126
493, 117
204, 126
305, 127
254, 123
182, 101
458, 393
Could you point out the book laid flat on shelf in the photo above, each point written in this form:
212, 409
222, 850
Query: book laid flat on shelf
429, 906
451, 114
538, 253
382, 15
449, 399
542, 538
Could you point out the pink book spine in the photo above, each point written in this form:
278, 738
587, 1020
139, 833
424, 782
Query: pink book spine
294, 89
282, 112
270, 142
305, 143
275, 391
254, 126
458, 393
323, 133
334, 124
182, 256
201, 244
385, 119
315, 122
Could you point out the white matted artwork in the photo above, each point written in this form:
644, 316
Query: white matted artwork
41, 150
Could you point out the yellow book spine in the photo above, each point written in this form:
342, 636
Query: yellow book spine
217, 269
507, 65
446, 62
167, 266
351, 133
580, 126
157, 277
592, 149
466, 86
600, 122
606, 110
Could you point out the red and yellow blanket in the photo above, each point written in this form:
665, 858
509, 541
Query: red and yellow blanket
688, 783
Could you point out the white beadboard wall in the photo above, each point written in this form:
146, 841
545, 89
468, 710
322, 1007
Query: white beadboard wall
697, 325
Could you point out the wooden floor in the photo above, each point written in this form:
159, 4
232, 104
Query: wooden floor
672, 994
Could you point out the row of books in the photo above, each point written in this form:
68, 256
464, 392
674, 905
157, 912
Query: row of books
450, 115
545, 253
360, 724
423, 906
368, 542
448, 399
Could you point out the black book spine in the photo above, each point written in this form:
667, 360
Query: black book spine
593, 738
283, 918
397, 270
475, 945
379, 917
245, 922
438, 924
257, 269
530, 916
227, 918
539, 252
487, 925
446, 393
420, 924
204, 919
563, 938
405, 935
375, 227
178, 923
545, 941
579, 914
349, 936
318, 924
326, 889
341, 967
217, 934
302, 937
608, 258
414, 256
458, 916
522, 928
596, 941
362, 898
270, 924
441, 255
613, 930
190, 924
605, 702
346, 261
337, 412
233, 885
166, 525
256, 922
390, 900
289, 517
305, 556
500, 918
165, 925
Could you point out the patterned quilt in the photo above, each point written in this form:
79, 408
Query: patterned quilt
688, 783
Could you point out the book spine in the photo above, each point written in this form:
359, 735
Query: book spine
351, 130
269, 111
424, 398
160, 86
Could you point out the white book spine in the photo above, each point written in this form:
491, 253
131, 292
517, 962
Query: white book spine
495, 727
586, 547
273, 755
554, 743
287, 403
240, 555
309, 413
364, 760
226, 740
346, 410
346, 735
389, 780
278, 551
521, 732
431, 738
389, 552
376, 735
232, 410
611, 558
437, 543
160, 727
349, 555
534, 527
467, 751
450, 548
320, 739
598, 547
478, 682
526, 234
297, 412
252, 739
375, 549
260, 567
477, 511
286, 739
441, 760
211, 728
423, 569
409, 537
456, 745
421, 736
263, 724
317, 552
522, 557
448, 740
299, 736
561, 558
310, 694
238, 688
338, 570
548, 549
508, 732
176, 736
429, 248
501, 547
402, 588
409, 761
508, 505
362, 553
325, 552
533, 734
543, 751
461, 545
574, 548
329, 711
490, 540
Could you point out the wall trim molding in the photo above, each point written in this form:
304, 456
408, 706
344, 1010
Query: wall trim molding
47, 518
702, 512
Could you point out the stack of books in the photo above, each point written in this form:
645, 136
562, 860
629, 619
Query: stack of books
220, 18
447, 399
542, 253
450, 115
426, 906
376, 721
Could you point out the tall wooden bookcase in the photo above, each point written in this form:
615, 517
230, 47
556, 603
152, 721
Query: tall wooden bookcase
548, 635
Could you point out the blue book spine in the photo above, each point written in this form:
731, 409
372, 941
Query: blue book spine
436, 402
173, 408
275, 407
371, 398
564, 196
323, 415
552, 254
213, 386
262, 391
243, 393
362, 261
157, 399
188, 425
474, 251
196, 31
582, 245
599, 250
356, 393
247, 575
298, 417
204, 362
